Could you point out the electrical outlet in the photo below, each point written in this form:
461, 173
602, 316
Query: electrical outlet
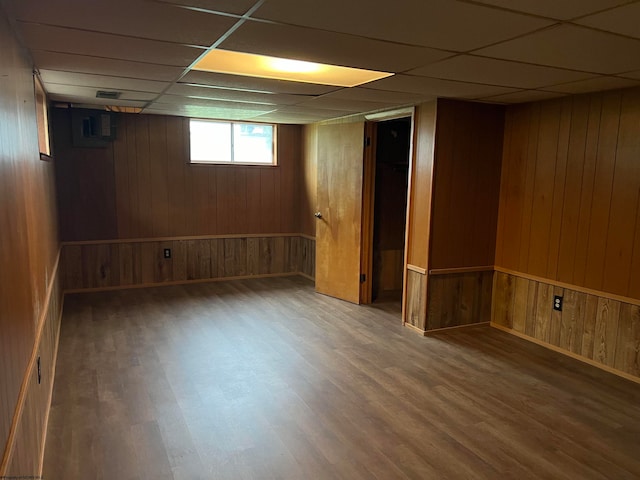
167, 253
557, 303
39, 372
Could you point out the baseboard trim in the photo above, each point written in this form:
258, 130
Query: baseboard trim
455, 327
414, 328
19, 410
580, 358
308, 277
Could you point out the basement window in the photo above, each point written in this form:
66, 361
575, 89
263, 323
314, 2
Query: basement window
216, 142
42, 119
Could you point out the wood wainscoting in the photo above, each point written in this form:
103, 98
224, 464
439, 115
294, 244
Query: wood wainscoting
416, 301
458, 299
595, 327
141, 262
25, 446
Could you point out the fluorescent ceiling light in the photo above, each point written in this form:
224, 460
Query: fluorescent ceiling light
262, 66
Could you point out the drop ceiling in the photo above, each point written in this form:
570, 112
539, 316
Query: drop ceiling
502, 51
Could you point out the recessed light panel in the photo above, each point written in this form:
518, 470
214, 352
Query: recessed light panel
251, 65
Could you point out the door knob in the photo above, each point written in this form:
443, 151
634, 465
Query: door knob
317, 215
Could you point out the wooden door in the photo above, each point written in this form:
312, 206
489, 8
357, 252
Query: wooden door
338, 230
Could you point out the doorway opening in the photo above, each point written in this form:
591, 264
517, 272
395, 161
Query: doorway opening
391, 167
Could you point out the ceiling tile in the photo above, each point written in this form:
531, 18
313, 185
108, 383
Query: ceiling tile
523, 96
290, 118
84, 102
89, 93
101, 81
123, 17
437, 88
445, 24
203, 102
352, 106
218, 113
231, 95
237, 7
572, 47
623, 20
560, 9
498, 72
328, 47
594, 85
238, 82
371, 95
103, 66
66, 40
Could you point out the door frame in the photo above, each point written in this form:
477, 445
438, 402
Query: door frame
368, 196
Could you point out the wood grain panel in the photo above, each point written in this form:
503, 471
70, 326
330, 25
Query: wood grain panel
585, 194
126, 264
28, 252
143, 186
459, 299
416, 309
466, 184
597, 328
420, 185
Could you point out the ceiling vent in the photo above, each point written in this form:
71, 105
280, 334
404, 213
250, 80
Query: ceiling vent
108, 95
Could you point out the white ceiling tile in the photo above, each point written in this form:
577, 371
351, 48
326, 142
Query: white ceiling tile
498, 72
237, 7
594, 85
328, 47
371, 95
203, 102
523, 96
125, 17
445, 24
103, 66
238, 82
624, 20
560, 9
101, 81
84, 101
343, 104
288, 118
230, 95
90, 93
66, 40
573, 47
311, 111
437, 88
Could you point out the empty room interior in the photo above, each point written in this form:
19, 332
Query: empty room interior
278, 239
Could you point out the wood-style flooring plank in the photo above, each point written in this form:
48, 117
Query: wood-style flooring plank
265, 379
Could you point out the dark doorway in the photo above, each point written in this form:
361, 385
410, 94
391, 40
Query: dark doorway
393, 139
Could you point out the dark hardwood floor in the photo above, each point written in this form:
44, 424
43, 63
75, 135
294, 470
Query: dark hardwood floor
265, 379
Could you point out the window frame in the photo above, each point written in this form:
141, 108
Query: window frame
231, 123
42, 118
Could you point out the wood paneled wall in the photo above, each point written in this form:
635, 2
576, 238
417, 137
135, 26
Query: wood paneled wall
570, 195
602, 330
459, 299
308, 181
420, 185
454, 199
28, 252
142, 185
98, 265
466, 184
